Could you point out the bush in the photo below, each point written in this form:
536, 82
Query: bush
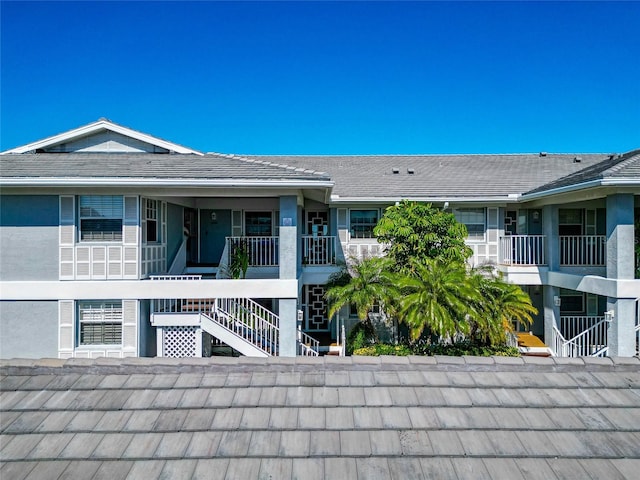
455, 349
361, 335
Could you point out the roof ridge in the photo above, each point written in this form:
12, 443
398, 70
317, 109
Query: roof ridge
273, 164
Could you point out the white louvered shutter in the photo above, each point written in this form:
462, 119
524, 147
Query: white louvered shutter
67, 237
66, 330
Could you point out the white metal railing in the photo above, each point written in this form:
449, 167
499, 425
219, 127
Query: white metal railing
522, 250
581, 337
182, 305
579, 250
249, 320
318, 250
307, 345
262, 251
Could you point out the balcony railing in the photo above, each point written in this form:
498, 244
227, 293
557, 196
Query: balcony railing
262, 251
583, 250
318, 250
523, 250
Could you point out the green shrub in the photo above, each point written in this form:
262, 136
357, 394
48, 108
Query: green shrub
455, 349
361, 335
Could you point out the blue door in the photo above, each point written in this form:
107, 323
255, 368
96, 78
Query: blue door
215, 225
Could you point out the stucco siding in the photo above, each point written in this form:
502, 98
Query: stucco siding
29, 237
28, 329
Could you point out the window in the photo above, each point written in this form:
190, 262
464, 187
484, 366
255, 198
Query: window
257, 224
151, 217
571, 301
100, 322
570, 221
473, 218
101, 218
362, 223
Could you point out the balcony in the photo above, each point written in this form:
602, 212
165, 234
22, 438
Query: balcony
583, 250
261, 251
575, 250
318, 250
523, 250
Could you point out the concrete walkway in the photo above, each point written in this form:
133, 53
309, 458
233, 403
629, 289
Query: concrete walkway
315, 418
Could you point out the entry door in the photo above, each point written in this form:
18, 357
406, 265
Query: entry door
215, 226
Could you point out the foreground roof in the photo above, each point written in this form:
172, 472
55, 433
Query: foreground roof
327, 417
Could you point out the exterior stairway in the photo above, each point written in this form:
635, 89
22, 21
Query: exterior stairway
241, 323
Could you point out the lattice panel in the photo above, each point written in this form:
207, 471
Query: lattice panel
316, 308
179, 342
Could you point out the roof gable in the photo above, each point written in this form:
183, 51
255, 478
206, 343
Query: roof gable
102, 136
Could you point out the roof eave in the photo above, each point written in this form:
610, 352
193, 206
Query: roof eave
163, 182
601, 182
510, 198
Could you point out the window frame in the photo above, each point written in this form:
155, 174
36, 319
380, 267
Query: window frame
152, 207
367, 232
104, 313
262, 225
472, 235
113, 212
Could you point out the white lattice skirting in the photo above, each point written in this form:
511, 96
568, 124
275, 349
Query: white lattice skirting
180, 342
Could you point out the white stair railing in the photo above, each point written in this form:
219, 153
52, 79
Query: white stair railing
249, 320
307, 345
590, 342
581, 250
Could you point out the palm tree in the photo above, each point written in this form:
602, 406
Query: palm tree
370, 284
437, 296
501, 304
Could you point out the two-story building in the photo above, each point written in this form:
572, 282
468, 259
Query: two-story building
117, 243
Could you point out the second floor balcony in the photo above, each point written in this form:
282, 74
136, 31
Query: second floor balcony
532, 250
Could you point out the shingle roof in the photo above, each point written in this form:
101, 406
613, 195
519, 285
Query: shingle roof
350, 417
622, 167
147, 165
440, 176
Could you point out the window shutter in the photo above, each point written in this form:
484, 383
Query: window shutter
66, 331
130, 326
131, 236
236, 223
67, 237
343, 227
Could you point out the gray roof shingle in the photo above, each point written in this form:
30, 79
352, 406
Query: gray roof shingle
386, 419
439, 176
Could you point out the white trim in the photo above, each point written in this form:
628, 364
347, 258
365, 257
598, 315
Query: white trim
96, 127
171, 182
510, 198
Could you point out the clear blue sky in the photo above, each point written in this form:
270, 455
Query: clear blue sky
328, 78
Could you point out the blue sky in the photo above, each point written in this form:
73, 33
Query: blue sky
328, 78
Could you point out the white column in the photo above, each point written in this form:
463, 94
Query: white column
288, 270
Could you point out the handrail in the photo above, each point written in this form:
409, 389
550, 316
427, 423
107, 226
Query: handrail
590, 342
523, 250
307, 345
318, 250
262, 251
249, 320
581, 250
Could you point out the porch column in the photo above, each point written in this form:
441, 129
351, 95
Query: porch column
550, 220
288, 270
551, 314
620, 266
